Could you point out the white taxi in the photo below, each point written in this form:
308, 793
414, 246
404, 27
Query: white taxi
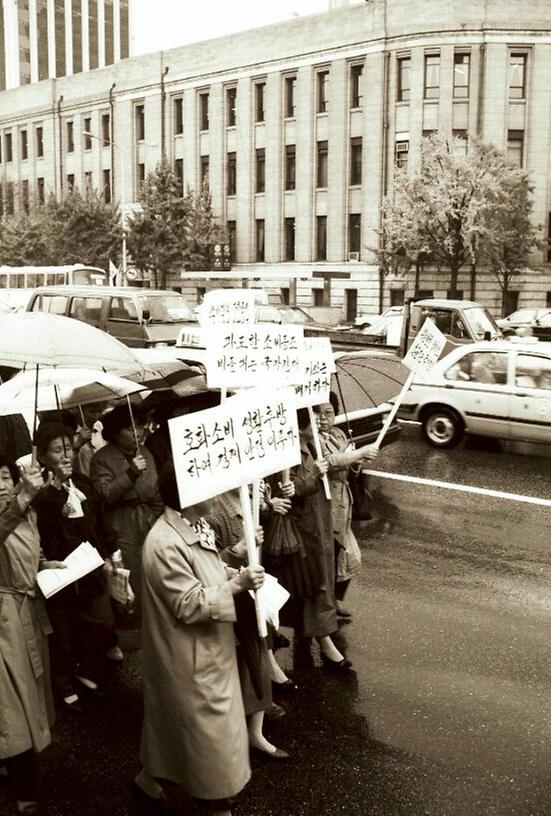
497, 388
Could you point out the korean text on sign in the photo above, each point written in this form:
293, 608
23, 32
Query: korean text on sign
244, 356
222, 306
318, 365
425, 349
248, 437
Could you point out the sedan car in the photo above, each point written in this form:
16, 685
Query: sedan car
499, 389
532, 319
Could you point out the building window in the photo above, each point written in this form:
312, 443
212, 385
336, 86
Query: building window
204, 170
356, 161
25, 195
260, 170
178, 116
204, 111
515, 147
39, 134
232, 174
461, 75
321, 238
24, 144
105, 129
351, 305
70, 182
40, 191
290, 92
231, 228
70, 137
179, 173
432, 76
87, 134
396, 297
259, 94
354, 232
8, 147
231, 94
140, 176
317, 297
322, 79
259, 239
139, 122
517, 76
401, 154
321, 170
88, 181
403, 65
460, 142
10, 203
356, 86
285, 295
106, 177
289, 239
290, 167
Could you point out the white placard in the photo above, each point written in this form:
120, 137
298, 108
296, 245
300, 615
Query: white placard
248, 437
318, 363
247, 356
223, 306
425, 350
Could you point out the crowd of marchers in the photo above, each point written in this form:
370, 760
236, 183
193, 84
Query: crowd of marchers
106, 477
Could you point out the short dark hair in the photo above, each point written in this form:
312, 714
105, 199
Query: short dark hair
303, 418
48, 431
63, 417
12, 467
114, 421
168, 487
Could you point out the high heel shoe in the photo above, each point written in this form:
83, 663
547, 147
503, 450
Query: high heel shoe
28, 808
278, 754
160, 803
340, 665
287, 687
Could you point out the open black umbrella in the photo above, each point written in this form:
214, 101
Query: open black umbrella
367, 378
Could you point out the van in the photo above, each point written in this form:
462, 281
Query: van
140, 318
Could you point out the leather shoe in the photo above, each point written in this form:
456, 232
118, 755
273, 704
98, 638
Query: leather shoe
288, 687
160, 803
340, 665
28, 808
275, 712
278, 754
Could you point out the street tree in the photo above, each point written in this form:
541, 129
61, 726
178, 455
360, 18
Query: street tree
25, 241
445, 213
201, 229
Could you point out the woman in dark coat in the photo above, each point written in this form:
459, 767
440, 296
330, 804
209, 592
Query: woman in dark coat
313, 518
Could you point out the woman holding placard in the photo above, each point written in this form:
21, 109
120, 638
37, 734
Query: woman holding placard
26, 710
194, 730
311, 511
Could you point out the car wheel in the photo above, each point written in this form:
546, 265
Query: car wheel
442, 428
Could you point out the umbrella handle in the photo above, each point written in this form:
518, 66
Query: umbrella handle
133, 423
394, 410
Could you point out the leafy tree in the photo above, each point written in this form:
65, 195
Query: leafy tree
25, 241
201, 230
449, 210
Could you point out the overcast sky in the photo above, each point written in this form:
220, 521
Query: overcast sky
162, 24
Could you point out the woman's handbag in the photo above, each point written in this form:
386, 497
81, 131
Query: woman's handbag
362, 500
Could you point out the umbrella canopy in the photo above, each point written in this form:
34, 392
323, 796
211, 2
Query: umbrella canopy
74, 387
174, 376
367, 379
28, 339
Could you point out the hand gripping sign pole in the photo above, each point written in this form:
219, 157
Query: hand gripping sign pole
420, 359
252, 554
319, 452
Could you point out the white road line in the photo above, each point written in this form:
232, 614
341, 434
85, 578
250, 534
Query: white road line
481, 491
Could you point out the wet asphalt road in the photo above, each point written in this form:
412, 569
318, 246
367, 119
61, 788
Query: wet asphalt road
448, 710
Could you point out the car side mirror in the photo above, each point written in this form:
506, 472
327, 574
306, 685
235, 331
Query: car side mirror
146, 315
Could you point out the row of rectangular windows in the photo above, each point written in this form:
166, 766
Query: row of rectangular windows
515, 146
7, 194
87, 133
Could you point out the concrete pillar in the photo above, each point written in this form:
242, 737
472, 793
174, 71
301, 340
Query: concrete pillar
190, 139
245, 226
305, 162
274, 167
216, 147
339, 152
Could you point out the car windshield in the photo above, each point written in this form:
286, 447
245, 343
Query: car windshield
481, 322
296, 316
166, 308
523, 315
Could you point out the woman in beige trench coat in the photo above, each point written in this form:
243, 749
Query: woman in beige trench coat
194, 731
26, 710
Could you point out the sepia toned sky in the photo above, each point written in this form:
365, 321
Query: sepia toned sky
162, 24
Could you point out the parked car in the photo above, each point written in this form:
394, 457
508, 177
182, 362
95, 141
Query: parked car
499, 389
363, 321
536, 321
141, 318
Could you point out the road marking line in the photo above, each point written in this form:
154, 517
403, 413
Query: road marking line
483, 491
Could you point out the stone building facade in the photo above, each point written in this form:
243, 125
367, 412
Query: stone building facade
299, 127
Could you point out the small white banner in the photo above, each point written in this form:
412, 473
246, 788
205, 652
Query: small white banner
318, 363
425, 350
251, 435
223, 306
247, 356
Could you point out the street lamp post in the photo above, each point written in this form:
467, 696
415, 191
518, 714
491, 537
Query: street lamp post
122, 198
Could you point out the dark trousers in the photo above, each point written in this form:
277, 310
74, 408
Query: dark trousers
83, 632
23, 776
340, 586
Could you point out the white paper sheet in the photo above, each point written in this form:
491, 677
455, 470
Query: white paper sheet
79, 563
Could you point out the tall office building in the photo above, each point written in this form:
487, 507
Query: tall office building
41, 39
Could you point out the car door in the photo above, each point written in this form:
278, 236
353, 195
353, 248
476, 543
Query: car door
124, 322
480, 391
531, 397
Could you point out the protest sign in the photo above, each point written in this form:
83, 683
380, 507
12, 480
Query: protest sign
420, 359
223, 306
251, 435
318, 364
246, 356
425, 350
